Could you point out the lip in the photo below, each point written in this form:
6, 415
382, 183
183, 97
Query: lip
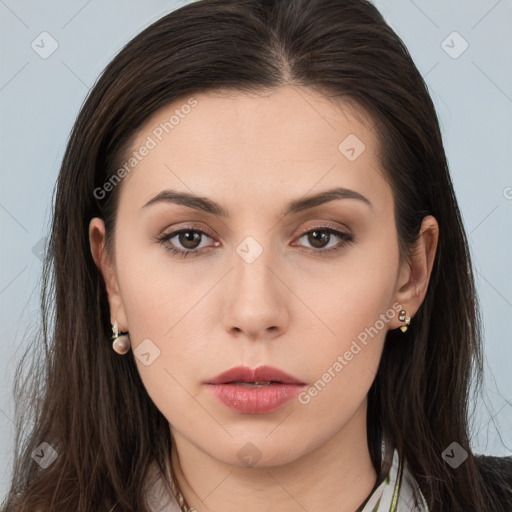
260, 399
259, 374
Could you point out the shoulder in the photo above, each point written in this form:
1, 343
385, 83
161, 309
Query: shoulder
497, 475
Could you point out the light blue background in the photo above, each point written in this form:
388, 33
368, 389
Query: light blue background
40, 98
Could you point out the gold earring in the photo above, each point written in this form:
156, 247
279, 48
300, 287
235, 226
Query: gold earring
402, 316
120, 340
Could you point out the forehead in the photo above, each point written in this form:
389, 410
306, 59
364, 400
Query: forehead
292, 113
290, 137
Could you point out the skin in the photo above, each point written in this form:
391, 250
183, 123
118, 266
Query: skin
289, 308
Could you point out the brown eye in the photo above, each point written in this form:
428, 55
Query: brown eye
320, 237
187, 242
189, 239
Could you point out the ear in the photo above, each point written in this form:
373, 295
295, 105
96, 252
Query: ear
107, 270
415, 273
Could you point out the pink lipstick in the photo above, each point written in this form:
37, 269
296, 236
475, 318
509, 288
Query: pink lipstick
255, 391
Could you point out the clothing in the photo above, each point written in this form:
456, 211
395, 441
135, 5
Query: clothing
159, 495
384, 498
387, 498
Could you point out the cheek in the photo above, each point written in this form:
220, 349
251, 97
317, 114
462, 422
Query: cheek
149, 284
166, 326
350, 293
352, 305
343, 363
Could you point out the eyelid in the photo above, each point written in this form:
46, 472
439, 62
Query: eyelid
318, 225
175, 229
325, 225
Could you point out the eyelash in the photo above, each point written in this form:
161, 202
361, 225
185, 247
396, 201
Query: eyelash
345, 238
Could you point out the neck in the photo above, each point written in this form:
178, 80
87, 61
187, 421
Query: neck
337, 475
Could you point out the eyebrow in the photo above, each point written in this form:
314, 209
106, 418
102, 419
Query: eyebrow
299, 205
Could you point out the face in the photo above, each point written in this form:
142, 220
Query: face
310, 290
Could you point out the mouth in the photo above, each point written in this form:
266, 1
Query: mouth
255, 391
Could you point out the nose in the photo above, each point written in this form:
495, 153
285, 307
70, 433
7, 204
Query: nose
255, 305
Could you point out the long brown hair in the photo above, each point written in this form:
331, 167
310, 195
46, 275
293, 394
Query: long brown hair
90, 405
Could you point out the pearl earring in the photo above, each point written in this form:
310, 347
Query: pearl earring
402, 316
120, 340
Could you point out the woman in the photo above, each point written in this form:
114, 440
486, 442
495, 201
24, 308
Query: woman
263, 290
